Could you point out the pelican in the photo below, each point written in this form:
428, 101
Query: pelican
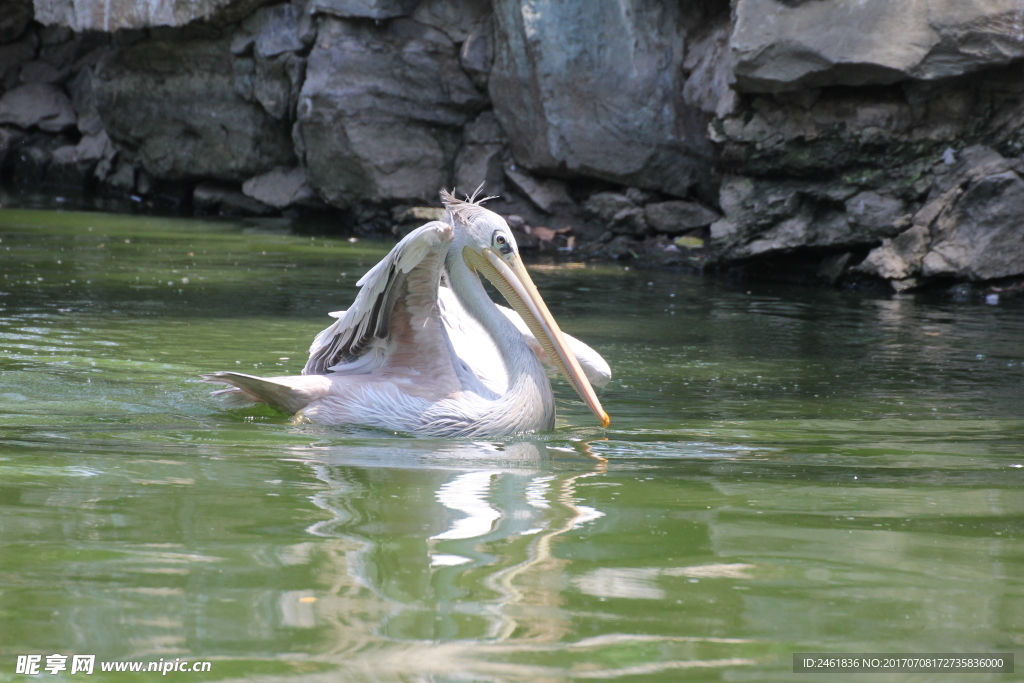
424, 350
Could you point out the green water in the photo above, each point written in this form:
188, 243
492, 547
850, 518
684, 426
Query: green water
788, 470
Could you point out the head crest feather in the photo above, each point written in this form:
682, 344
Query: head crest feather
465, 209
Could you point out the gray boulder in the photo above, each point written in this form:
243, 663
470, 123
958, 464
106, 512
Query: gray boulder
604, 206
227, 201
675, 217
37, 105
874, 212
12, 56
899, 257
971, 228
707, 61
765, 216
458, 19
273, 82
366, 9
546, 194
272, 31
480, 159
280, 188
618, 118
71, 165
380, 111
780, 45
629, 221
112, 15
980, 236
174, 104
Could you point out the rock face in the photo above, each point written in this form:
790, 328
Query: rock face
111, 15
185, 120
973, 227
366, 9
780, 45
280, 188
592, 89
37, 105
380, 111
15, 16
865, 139
480, 159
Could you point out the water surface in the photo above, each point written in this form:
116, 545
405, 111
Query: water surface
787, 470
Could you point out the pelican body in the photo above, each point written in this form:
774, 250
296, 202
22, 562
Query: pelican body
424, 350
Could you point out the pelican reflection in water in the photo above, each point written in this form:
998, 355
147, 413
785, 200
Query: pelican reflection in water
424, 350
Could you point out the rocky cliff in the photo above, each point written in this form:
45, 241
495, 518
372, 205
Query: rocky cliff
851, 141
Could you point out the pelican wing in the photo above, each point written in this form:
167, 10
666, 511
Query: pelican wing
378, 325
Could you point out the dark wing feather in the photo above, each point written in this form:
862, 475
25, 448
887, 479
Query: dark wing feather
349, 340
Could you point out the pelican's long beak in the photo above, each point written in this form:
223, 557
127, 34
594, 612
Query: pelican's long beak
515, 284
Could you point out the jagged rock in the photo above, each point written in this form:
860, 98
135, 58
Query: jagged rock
280, 188
39, 105
274, 82
271, 31
368, 9
82, 99
629, 221
883, 139
875, 212
971, 228
227, 201
620, 118
72, 166
674, 217
185, 120
15, 16
546, 194
379, 112
477, 53
12, 56
639, 197
477, 164
604, 206
900, 257
112, 15
707, 60
480, 159
981, 236
458, 19
791, 45
123, 177
766, 216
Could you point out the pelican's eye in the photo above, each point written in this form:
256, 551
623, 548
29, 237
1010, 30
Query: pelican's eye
503, 244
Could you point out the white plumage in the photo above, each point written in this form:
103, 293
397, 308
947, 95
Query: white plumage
417, 356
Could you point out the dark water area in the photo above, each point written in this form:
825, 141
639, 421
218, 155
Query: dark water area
787, 470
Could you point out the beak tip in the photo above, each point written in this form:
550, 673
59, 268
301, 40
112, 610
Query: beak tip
605, 420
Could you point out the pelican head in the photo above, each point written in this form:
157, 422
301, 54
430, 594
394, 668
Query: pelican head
485, 242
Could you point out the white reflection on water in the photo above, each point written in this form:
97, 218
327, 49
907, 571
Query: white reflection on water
467, 494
